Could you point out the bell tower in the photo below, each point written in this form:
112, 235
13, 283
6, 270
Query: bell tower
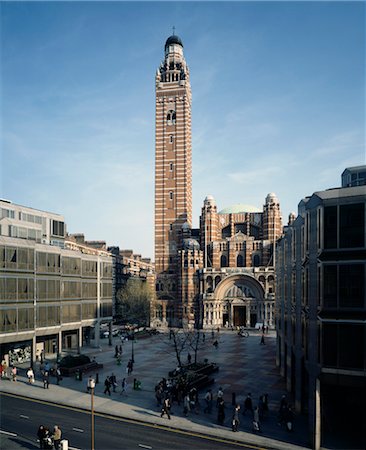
173, 172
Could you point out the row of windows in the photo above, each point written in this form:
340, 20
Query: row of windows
344, 286
12, 320
9, 213
23, 259
32, 218
23, 289
344, 226
25, 233
344, 346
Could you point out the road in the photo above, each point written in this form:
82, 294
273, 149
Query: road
23, 416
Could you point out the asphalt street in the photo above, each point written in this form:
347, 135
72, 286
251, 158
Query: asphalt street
22, 418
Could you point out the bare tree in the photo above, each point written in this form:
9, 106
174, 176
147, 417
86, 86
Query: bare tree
179, 340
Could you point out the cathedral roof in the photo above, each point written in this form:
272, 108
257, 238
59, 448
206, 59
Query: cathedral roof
173, 40
240, 208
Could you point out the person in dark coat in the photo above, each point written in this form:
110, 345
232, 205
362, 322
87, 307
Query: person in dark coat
166, 408
248, 404
221, 412
107, 386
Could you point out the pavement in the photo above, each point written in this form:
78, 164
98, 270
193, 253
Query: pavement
244, 366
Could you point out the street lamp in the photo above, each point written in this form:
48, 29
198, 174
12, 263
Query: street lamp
132, 348
92, 386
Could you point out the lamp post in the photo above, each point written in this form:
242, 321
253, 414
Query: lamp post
132, 348
92, 386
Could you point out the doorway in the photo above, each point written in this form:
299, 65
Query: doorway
240, 315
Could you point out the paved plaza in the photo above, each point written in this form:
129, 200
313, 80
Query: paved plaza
245, 366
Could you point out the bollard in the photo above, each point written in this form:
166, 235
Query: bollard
64, 444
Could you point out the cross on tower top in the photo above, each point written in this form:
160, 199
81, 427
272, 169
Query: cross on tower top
173, 30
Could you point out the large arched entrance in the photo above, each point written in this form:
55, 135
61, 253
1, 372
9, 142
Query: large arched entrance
238, 300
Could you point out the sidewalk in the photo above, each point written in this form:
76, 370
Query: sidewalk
245, 366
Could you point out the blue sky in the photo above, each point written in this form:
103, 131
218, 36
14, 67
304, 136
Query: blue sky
278, 105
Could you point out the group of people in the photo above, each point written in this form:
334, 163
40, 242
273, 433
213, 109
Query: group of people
48, 440
8, 372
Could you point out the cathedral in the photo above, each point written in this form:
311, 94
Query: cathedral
219, 275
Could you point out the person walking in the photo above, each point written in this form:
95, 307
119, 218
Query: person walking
124, 387
262, 339
236, 421
208, 400
30, 375
221, 412
220, 395
166, 407
46, 380
189, 358
107, 386
58, 375
186, 404
56, 436
14, 373
113, 381
256, 424
41, 434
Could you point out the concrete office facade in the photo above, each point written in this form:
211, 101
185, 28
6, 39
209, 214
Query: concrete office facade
54, 293
321, 314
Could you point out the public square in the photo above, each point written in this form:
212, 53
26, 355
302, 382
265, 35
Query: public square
244, 366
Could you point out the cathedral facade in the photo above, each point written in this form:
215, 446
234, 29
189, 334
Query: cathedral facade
221, 274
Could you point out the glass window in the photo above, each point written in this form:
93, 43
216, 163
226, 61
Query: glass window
330, 286
330, 227
352, 225
8, 320
351, 285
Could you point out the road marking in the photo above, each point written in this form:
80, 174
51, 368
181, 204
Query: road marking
7, 432
145, 446
24, 417
137, 422
74, 448
79, 430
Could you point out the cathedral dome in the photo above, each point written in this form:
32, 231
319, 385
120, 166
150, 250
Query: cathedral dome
191, 244
240, 208
209, 200
271, 198
173, 40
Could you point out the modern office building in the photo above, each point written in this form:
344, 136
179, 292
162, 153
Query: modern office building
222, 273
54, 293
321, 314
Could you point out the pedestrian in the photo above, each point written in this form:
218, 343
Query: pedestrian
220, 396
129, 368
186, 404
236, 421
46, 380
166, 407
113, 381
58, 375
30, 375
221, 412
41, 434
189, 358
203, 337
123, 387
107, 386
42, 356
5, 369
14, 373
216, 344
208, 400
262, 339
289, 418
248, 404
56, 436
282, 410
116, 351
256, 425
120, 350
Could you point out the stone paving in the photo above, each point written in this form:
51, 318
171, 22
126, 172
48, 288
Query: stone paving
245, 366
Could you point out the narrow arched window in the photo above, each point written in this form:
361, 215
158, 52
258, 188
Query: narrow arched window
171, 117
171, 195
239, 261
223, 262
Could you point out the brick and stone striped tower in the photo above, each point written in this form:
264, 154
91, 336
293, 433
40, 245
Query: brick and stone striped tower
173, 172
